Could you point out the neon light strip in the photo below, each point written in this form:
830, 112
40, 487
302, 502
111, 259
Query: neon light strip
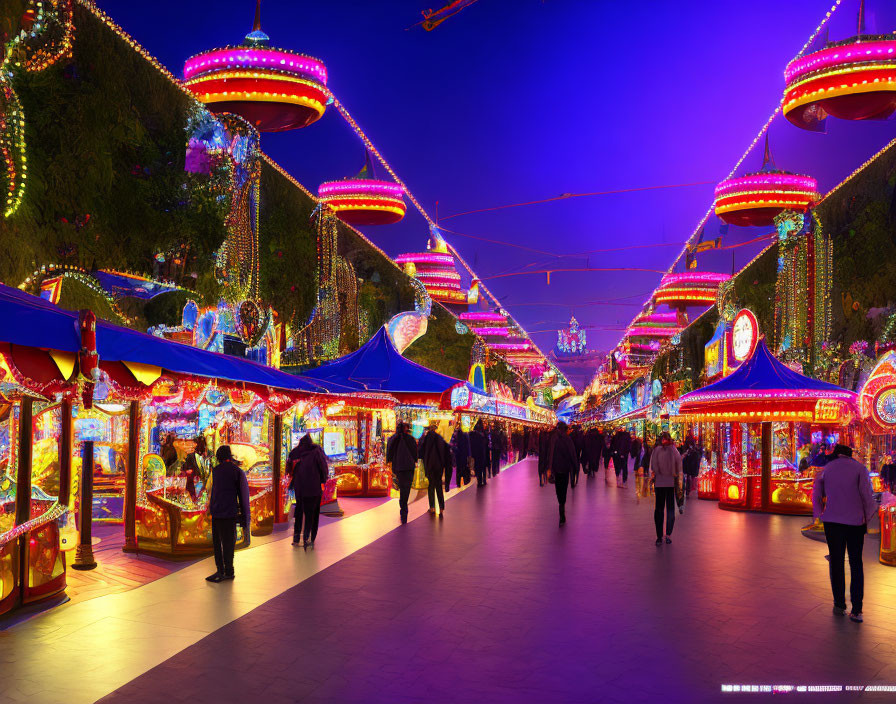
693, 278
837, 55
482, 316
360, 187
846, 89
256, 58
425, 258
254, 97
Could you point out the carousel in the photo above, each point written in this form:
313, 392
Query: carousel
770, 425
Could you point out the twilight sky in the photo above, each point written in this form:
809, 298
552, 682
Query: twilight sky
520, 100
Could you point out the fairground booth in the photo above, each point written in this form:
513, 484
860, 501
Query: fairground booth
386, 388
76, 392
768, 424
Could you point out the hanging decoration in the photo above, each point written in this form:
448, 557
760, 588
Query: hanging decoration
853, 79
755, 199
688, 289
45, 37
364, 199
803, 287
436, 269
273, 89
406, 327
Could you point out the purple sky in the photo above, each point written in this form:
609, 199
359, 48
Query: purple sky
518, 100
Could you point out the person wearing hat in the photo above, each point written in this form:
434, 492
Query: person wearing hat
842, 499
228, 506
436, 456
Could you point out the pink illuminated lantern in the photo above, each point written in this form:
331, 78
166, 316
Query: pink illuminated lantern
274, 89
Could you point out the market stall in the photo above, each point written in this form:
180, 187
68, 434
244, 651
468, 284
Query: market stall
385, 385
770, 425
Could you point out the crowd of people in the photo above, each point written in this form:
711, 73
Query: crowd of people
842, 496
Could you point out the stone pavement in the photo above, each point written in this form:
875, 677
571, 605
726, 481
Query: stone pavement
496, 603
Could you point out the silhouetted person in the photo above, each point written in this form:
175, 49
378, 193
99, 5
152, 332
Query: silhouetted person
228, 506
308, 464
544, 444
593, 445
498, 445
842, 498
460, 448
194, 466
479, 452
168, 452
436, 456
578, 440
401, 452
665, 468
562, 463
621, 445
607, 455
691, 454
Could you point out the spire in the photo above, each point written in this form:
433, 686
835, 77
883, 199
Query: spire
767, 159
256, 37
861, 29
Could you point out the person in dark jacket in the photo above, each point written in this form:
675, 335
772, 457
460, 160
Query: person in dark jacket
578, 440
194, 466
460, 448
544, 442
691, 454
228, 506
562, 462
497, 447
527, 439
479, 452
592, 446
621, 445
436, 456
607, 454
308, 471
168, 452
401, 452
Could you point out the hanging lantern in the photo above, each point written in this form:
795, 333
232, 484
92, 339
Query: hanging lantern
688, 289
853, 79
274, 89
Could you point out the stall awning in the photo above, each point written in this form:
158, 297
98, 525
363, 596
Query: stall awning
33, 322
764, 389
378, 366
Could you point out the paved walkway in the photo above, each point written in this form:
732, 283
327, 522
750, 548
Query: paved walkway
496, 603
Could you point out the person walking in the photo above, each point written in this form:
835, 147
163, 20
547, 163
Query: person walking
641, 474
562, 462
228, 506
401, 452
592, 450
842, 499
665, 470
607, 457
691, 454
436, 456
460, 448
621, 446
195, 466
633, 459
479, 452
498, 446
544, 442
308, 467
578, 441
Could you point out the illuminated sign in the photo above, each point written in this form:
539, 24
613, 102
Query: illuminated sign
828, 410
885, 406
744, 335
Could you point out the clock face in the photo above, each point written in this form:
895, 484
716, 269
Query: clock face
885, 405
744, 333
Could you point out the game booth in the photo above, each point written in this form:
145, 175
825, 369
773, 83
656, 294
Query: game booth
770, 423
385, 387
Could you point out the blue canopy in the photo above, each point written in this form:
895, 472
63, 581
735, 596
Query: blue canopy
34, 322
120, 285
761, 375
378, 366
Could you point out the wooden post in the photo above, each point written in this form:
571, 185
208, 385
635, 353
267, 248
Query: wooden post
130, 479
23, 470
84, 552
277, 461
766, 478
65, 457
